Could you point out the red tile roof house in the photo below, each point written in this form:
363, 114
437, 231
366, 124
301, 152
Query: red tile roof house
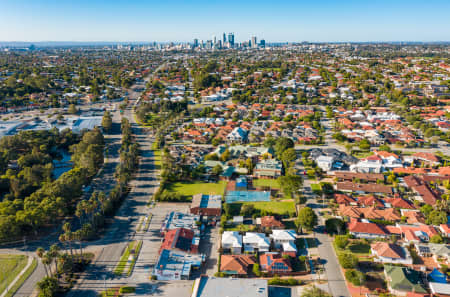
390, 253
344, 199
269, 223
422, 189
365, 229
180, 239
414, 233
274, 263
236, 264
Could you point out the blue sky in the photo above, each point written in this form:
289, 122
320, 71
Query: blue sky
279, 20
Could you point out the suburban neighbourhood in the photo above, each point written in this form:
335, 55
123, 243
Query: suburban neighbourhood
223, 169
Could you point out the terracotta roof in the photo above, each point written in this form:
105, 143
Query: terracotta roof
343, 199
369, 188
236, 263
388, 250
270, 222
368, 228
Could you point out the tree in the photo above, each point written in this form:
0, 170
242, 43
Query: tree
47, 287
288, 156
307, 218
256, 270
348, 260
436, 238
290, 184
355, 277
217, 170
282, 144
437, 217
72, 109
426, 209
313, 291
341, 241
40, 252
364, 145
107, 121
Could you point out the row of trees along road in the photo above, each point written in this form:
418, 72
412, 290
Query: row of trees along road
93, 211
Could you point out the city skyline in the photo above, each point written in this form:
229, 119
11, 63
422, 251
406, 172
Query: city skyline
288, 21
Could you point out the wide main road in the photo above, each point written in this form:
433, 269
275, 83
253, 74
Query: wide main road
100, 273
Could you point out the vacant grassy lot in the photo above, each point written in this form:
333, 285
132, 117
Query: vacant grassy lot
271, 183
10, 267
188, 189
280, 208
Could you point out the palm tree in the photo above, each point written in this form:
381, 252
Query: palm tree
40, 252
47, 260
54, 254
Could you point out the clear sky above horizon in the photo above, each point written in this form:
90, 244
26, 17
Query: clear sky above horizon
176, 20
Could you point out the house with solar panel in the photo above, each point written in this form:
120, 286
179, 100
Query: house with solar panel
274, 263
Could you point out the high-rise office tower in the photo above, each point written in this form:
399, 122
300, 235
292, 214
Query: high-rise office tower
224, 40
214, 39
262, 43
254, 43
231, 39
195, 43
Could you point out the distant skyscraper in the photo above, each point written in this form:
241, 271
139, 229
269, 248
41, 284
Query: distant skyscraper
224, 40
254, 43
262, 43
195, 42
231, 39
214, 39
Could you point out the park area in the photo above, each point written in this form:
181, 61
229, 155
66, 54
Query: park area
10, 268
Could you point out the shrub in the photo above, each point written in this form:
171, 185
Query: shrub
355, 277
126, 290
284, 282
256, 270
341, 241
348, 260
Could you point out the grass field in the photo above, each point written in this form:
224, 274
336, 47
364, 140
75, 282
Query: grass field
22, 279
274, 207
10, 267
272, 183
188, 189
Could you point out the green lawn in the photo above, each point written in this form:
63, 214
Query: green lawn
188, 189
272, 183
316, 187
10, 267
359, 248
158, 159
282, 207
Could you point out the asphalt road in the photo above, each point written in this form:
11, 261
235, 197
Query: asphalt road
123, 229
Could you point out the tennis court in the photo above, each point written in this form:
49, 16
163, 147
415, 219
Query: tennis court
247, 196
